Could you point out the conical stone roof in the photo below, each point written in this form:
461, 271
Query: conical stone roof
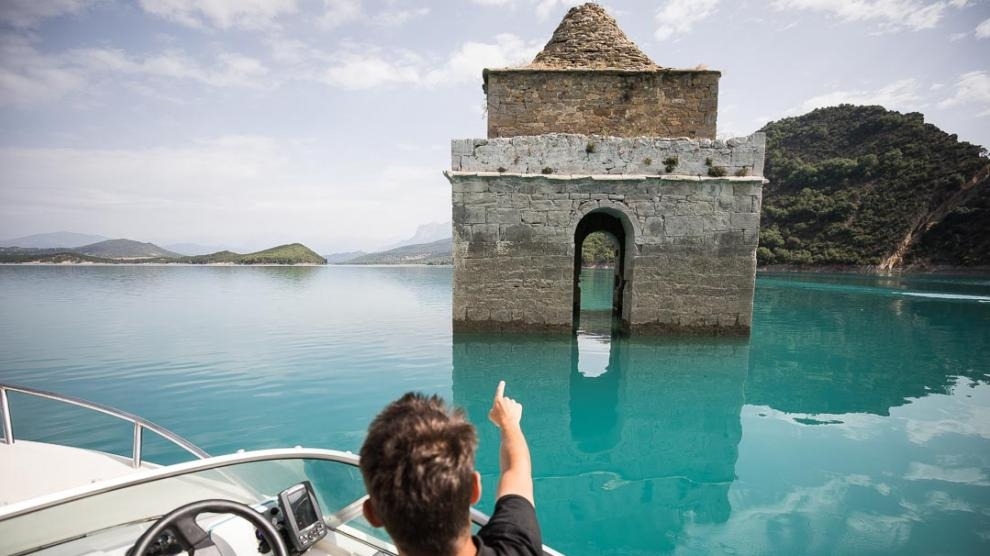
589, 38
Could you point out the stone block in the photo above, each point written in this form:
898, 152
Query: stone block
675, 226
559, 218
484, 233
654, 226
459, 147
470, 214
475, 312
516, 233
745, 220
473, 186
694, 208
478, 198
534, 217
508, 216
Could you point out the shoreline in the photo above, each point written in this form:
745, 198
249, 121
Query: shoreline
872, 270
40, 263
768, 269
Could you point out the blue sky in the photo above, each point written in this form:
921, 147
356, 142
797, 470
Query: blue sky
248, 123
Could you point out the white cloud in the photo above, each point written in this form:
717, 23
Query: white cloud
398, 18
27, 13
247, 14
983, 29
367, 71
339, 12
900, 95
971, 88
890, 14
228, 70
374, 68
544, 8
28, 76
467, 62
678, 17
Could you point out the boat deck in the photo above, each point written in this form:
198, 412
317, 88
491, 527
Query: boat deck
31, 469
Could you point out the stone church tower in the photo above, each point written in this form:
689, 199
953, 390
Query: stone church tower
593, 136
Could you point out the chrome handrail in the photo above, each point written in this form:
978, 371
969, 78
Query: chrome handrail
140, 423
29, 506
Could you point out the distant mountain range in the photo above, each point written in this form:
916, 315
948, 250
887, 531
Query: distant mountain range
129, 251
335, 258
53, 240
194, 248
426, 233
124, 249
431, 244
434, 253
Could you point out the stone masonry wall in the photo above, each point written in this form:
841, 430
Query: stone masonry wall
593, 155
625, 103
692, 244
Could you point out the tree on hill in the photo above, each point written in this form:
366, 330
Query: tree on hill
599, 249
855, 185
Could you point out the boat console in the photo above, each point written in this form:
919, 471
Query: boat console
297, 518
294, 518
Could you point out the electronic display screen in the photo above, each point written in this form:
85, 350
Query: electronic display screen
303, 520
302, 508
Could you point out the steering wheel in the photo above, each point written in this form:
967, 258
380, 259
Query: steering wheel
182, 523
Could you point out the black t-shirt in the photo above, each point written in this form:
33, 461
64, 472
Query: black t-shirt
512, 530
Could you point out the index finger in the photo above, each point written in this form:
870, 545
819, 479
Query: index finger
500, 389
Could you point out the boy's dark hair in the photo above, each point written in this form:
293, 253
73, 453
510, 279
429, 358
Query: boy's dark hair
418, 465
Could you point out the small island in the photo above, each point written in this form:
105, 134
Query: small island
125, 251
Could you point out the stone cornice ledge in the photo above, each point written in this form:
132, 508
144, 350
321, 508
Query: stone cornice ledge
608, 177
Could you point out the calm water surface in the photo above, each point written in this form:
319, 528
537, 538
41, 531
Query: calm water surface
855, 420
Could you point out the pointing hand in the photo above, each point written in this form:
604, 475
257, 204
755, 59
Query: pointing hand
505, 411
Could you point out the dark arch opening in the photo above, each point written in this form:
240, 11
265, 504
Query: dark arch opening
602, 221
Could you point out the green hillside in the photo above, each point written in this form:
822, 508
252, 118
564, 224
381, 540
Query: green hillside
862, 185
293, 253
18, 255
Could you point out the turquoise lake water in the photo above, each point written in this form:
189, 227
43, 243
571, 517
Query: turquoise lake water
855, 420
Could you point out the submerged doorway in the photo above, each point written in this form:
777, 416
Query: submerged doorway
600, 261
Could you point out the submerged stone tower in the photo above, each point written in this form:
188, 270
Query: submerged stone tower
593, 136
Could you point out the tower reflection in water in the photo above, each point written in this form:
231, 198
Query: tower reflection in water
625, 457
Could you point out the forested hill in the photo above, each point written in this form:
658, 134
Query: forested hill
114, 252
862, 185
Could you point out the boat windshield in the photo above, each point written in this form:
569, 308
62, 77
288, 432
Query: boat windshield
136, 501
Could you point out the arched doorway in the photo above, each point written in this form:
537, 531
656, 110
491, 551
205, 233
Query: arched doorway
614, 225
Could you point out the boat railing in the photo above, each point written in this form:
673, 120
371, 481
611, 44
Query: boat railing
343, 516
139, 424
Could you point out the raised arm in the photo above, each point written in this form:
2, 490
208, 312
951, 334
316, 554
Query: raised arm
517, 469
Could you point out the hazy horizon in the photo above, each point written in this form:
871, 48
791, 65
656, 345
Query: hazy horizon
262, 122
425, 233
